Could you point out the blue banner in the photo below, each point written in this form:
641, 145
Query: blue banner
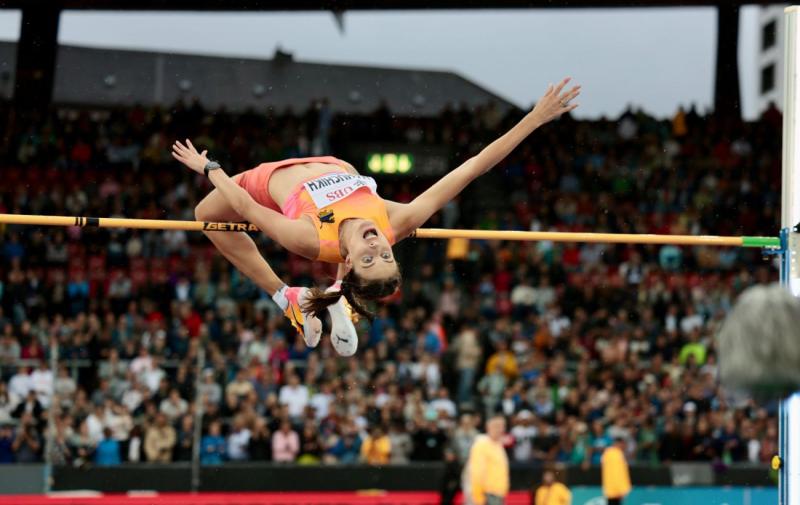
682, 496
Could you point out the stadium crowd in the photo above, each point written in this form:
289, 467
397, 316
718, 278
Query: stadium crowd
577, 344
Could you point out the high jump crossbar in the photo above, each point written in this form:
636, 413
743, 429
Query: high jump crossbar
431, 233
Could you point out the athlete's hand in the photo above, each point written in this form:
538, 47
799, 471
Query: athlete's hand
554, 102
189, 156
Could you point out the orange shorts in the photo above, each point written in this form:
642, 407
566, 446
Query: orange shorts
256, 180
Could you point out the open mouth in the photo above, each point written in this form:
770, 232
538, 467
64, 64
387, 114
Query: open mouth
371, 233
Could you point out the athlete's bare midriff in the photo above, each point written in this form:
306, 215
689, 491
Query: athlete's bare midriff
284, 180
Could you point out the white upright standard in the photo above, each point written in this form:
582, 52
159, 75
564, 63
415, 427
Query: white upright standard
789, 484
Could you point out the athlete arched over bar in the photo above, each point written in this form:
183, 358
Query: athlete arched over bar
322, 209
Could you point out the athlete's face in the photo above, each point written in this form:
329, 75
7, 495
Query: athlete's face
369, 252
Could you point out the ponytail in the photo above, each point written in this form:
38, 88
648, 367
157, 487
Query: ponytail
354, 289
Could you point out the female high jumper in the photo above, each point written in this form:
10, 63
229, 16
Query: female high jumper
322, 209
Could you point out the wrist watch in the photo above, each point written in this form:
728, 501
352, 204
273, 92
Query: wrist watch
211, 165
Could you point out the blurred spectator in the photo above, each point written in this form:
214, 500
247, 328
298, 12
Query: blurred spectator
238, 441
347, 447
285, 443
260, 445
524, 433
310, 445
468, 355
174, 406
159, 440
184, 439
108, 450
83, 445
27, 445
7, 444
429, 442
30, 406
212, 445
376, 449
210, 390
400, 443
295, 396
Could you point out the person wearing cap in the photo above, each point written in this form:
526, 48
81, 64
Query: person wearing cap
486, 476
523, 433
552, 492
615, 475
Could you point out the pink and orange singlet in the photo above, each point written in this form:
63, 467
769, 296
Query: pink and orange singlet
328, 199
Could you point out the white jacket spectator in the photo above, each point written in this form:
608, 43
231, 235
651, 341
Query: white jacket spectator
295, 396
19, 385
174, 406
42, 383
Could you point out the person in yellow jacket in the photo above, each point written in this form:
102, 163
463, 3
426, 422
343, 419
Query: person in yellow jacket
377, 448
616, 478
552, 492
486, 477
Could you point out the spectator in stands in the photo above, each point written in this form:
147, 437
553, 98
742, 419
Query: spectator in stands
64, 386
210, 390
400, 443
285, 443
503, 361
27, 445
159, 440
492, 386
347, 447
443, 405
174, 406
429, 440
42, 383
6, 406
238, 389
238, 441
295, 396
376, 448
464, 436
184, 439
212, 445
468, 355
60, 452
20, 384
524, 432
29, 406
6, 444
260, 445
310, 445
83, 445
108, 450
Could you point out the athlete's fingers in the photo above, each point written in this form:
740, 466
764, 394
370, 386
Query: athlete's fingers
569, 95
204, 153
561, 85
189, 143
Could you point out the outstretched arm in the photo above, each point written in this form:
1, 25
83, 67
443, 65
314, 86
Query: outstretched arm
553, 104
287, 232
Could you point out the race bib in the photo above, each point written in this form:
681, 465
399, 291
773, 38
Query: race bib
331, 188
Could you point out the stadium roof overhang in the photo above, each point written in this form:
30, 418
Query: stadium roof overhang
36, 54
345, 5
